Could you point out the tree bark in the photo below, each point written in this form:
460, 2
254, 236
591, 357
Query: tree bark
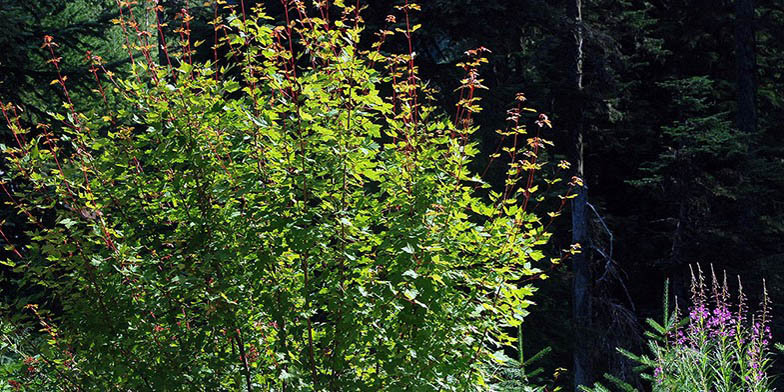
746, 66
581, 285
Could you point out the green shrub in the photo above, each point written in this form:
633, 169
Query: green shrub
286, 228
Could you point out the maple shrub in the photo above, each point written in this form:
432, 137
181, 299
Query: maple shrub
280, 224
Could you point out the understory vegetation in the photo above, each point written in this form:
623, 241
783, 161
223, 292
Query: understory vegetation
718, 346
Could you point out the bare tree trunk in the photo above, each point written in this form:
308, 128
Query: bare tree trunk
581, 292
747, 65
746, 93
581, 287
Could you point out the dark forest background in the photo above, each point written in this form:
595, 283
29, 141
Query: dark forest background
678, 113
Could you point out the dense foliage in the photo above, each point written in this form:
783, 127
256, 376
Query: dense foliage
285, 228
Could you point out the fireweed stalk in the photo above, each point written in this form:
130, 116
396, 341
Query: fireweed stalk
718, 346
